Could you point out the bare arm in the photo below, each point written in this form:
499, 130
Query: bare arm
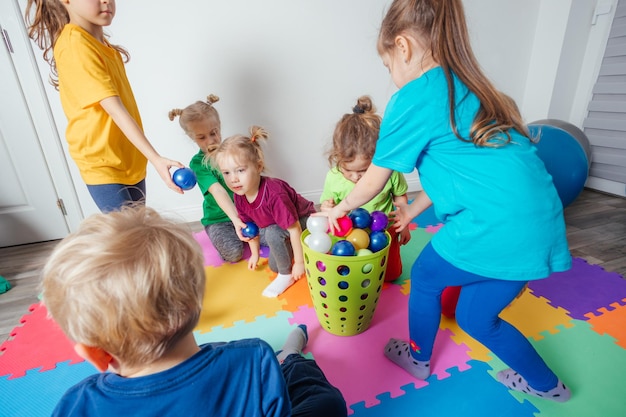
255, 248
370, 184
226, 204
295, 231
405, 234
115, 108
405, 213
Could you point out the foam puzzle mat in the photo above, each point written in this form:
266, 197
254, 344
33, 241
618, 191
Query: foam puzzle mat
575, 319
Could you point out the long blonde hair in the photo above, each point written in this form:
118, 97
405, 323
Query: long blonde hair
45, 26
441, 25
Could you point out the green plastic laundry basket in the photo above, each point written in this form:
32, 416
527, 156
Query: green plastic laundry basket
345, 289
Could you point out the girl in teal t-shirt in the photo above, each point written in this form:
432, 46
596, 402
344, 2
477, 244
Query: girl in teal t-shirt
503, 218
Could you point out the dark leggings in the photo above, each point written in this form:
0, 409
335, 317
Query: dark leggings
310, 392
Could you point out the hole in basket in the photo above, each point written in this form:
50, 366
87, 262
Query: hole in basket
365, 283
382, 260
364, 296
343, 270
343, 319
306, 258
343, 285
362, 307
321, 280
325, 314
367, 268
360, 318
323, 294
321, 266
343, 298
324, 305
343, 309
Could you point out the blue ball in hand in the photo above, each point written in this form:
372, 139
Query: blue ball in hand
184, 178
251, 230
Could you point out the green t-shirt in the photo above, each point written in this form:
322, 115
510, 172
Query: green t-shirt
338, 187
206, 177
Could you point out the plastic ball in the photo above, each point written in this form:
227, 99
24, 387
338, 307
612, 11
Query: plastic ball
343, 248
359, 238
345, 225
379, 221
317, 224
251, 230
319, 242
564, 151
378, 241
360, 217
184, 178
363, 252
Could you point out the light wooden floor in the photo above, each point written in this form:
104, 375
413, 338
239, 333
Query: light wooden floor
596, 230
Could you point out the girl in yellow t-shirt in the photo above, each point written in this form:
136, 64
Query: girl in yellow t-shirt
104, 131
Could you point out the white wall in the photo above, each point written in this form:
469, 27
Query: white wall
296, 67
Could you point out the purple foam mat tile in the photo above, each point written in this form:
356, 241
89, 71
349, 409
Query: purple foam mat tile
583, 289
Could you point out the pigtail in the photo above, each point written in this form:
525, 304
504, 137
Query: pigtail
174, 113
256, 133
212, 98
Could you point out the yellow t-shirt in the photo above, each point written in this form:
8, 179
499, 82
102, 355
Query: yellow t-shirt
90, 71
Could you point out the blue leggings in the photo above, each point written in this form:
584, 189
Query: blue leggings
112, 197
480, 302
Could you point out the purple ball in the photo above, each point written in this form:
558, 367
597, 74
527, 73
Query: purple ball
379, 221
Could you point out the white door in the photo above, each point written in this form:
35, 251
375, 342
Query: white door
29, 210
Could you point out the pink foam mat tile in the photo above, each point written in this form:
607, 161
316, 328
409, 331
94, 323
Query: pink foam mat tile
37, 343
356, 364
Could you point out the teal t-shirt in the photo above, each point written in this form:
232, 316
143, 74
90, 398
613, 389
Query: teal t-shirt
206, 177
503, 217
337, 187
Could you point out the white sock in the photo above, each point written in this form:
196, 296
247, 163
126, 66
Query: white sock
516, 382
280, 284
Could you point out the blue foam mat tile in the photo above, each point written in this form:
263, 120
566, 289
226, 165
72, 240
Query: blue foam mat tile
471, 393
37, 393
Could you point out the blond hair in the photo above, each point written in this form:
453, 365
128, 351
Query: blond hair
129, 282
244, 149
44, 27
355, 134
441, 26
199, 110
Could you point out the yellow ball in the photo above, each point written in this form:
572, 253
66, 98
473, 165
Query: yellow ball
359, 238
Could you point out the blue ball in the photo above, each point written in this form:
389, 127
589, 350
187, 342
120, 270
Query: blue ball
565, 158
360, 217
251, 230
378, 241
343, 248
184, 178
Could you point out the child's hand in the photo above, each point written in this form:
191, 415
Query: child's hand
253, 261
297, 271
405, 236
401, 217
163, 166
327, 205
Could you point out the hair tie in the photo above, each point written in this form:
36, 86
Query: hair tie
253, 138
358, 109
